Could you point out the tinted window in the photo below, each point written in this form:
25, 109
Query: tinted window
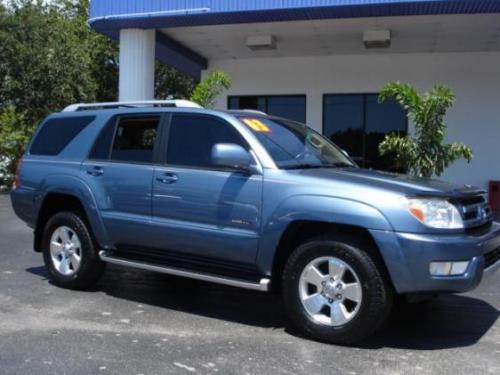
102, 146
135, 139
192, 137
358, 123
56, 134
292, 107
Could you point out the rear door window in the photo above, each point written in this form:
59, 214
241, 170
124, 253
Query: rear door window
134, 139
57, 133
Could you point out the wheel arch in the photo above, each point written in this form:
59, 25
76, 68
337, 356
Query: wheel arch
300, 231
71, 194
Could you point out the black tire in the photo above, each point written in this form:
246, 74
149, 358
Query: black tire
377, 294
91, 267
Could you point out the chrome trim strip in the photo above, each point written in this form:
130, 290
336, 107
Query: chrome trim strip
262, 286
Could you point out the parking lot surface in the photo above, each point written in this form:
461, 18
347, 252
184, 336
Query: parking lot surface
136, 322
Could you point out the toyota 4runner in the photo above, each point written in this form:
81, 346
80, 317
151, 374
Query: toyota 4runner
248, 200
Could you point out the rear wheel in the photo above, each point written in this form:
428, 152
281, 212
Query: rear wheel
69, 252
334, 291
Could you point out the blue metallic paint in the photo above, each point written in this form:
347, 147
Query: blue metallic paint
241, 218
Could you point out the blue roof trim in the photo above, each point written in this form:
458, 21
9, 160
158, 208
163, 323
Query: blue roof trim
109, 17
179, 56
116, 14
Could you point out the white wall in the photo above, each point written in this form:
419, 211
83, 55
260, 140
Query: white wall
474, 77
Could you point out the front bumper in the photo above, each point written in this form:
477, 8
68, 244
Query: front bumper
408, 256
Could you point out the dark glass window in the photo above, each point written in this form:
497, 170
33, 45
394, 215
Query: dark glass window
102, 145
358, 123
56, 134
135, 139
292, 107
192, 137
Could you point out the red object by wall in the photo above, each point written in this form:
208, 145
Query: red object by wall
494, 195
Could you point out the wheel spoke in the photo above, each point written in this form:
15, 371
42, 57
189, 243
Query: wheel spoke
339, 314
352, 292
55, 249
313, 276
336, 269
66, 235
314, 303
75, 261
64, 266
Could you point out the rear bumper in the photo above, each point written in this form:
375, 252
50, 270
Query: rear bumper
22, 200
408, 256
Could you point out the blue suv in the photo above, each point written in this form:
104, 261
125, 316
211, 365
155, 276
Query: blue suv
248, 200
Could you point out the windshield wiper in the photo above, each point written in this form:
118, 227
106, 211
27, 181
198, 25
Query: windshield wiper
317, 166
303, 166
340, 164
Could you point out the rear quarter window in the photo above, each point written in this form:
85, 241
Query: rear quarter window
55, 134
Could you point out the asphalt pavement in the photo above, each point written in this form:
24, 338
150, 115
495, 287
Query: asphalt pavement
136, 322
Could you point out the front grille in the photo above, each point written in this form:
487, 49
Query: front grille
475, 212
492, 257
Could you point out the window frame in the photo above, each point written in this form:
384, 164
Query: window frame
365, 96
229, 97
114, 121
166, 136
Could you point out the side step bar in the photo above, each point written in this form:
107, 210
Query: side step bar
262, 286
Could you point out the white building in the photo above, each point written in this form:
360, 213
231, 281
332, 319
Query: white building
307, 60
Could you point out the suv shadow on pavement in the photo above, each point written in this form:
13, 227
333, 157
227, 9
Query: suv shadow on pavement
422, 326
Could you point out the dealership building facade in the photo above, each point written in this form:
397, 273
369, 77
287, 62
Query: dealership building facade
324, 61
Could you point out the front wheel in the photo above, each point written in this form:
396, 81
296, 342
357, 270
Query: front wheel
69, 252
334, 291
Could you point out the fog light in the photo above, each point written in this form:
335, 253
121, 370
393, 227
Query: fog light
448, 268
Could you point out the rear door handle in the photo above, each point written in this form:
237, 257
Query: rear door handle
167, 178
95, 171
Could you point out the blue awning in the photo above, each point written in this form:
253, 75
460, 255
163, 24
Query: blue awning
109, 17
118, 14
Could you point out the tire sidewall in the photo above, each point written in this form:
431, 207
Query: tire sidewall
87, 251
374, 291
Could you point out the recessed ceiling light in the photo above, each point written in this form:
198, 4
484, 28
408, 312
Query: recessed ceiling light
377, 38
261, 42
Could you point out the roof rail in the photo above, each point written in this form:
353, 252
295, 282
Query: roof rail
249, 111
133, 104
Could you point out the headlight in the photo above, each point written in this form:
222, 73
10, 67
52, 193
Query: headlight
435, 213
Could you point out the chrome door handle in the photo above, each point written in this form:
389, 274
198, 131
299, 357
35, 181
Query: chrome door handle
95, 171
167, 178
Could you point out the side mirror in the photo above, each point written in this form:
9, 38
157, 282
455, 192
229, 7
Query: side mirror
230, 155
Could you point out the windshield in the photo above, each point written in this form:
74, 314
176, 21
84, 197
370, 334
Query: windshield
293, 145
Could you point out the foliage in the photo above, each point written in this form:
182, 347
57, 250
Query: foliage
13, 138
171, 83
424, 154
207, 91
49, 58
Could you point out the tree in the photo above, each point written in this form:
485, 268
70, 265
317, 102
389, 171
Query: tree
207, 91
424, 154
49, 58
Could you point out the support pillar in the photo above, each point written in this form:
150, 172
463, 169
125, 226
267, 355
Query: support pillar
137, 64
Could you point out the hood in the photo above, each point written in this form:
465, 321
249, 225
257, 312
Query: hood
394, 182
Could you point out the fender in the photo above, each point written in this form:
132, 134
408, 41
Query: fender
74, 186
321, 208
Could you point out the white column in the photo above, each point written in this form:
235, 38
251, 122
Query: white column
137, 64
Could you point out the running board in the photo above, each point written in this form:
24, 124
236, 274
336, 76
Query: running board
262, 286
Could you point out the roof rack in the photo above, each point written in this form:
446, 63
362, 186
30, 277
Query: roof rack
134, 104
249, 111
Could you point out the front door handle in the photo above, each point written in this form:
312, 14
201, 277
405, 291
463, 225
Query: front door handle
95, 171
167, 178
